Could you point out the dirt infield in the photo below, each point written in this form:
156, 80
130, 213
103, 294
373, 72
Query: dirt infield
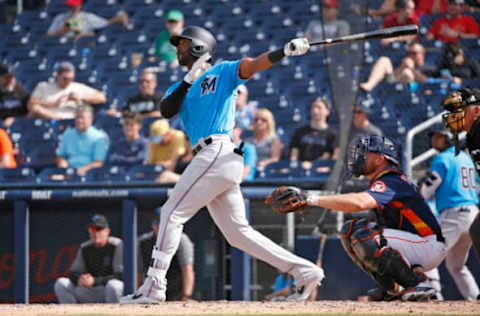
224, 307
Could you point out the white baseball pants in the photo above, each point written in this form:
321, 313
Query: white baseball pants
455, 223
213, 179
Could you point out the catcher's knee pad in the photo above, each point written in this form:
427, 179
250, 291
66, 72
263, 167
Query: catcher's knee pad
364, 244
389, 263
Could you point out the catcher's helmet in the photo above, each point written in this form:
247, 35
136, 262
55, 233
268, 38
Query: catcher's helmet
455, 103
202, 40
359, 147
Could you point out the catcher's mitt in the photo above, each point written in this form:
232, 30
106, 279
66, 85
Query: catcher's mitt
287, 199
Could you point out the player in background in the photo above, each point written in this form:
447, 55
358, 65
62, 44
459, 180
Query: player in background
463, 114
451, 181
205, 101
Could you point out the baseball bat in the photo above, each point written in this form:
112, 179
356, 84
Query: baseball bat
389, 32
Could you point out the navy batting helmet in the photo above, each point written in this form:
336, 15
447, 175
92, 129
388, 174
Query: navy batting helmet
362, 145
202, 40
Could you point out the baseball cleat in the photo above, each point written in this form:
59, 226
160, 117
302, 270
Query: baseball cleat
379, 294
138, 298
418, 293
315, 278
152, 291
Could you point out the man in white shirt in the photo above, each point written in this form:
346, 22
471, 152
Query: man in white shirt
59, 100
77, 23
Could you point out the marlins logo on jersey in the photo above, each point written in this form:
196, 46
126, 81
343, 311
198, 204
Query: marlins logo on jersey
208, 85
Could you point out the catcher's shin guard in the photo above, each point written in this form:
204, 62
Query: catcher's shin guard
390, 263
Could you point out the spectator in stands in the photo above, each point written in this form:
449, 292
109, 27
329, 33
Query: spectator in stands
426, 7
180, 275
267, 144
404, 15
249, 154
96, 272
317, 140
361, 124
13, 97
7, 157
387, 7
330, 26
166, 146
59, 100
456, 65
83, 147
244, 110
77, 23
412, 68
132, 149
163, 48
146, 102
454, 26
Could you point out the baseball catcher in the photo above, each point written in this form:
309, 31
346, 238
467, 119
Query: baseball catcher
401, 241
463, 114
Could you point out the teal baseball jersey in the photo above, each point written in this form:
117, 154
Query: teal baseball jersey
458, 179
209, 106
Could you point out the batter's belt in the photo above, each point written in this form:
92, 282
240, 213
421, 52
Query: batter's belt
204, 142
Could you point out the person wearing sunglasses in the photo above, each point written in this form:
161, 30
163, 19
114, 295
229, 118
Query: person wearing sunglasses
146, 103
412, 68
59, 100
96, 272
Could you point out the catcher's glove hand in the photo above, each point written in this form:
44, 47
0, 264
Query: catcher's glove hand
287, 199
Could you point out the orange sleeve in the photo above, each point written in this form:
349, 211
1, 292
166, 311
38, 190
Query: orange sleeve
6, 146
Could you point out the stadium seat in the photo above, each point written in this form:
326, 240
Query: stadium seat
144, 173
108, 173
281, 169
17, 175
38, 157
59, 175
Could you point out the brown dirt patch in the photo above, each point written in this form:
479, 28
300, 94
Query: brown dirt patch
224, 307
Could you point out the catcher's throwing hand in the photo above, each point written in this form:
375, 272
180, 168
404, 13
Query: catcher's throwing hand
296, 47
287, 199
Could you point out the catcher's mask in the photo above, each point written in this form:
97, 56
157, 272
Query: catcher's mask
454, 118
362, 145
455, 104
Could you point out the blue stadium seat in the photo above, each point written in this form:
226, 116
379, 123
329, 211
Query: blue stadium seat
320, 170
281, 169
107, 173
59, 175
145, 173
107, 122
60, 126
17, 175
39, 156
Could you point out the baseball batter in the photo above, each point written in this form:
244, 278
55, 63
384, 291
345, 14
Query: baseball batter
405, 240
463, 114
205, 101
451, 181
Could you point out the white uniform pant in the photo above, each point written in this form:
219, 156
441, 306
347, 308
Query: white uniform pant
455, 223
69, 293
213, 179
415, 250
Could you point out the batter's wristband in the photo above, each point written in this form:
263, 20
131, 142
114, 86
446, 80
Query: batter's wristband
276, 56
